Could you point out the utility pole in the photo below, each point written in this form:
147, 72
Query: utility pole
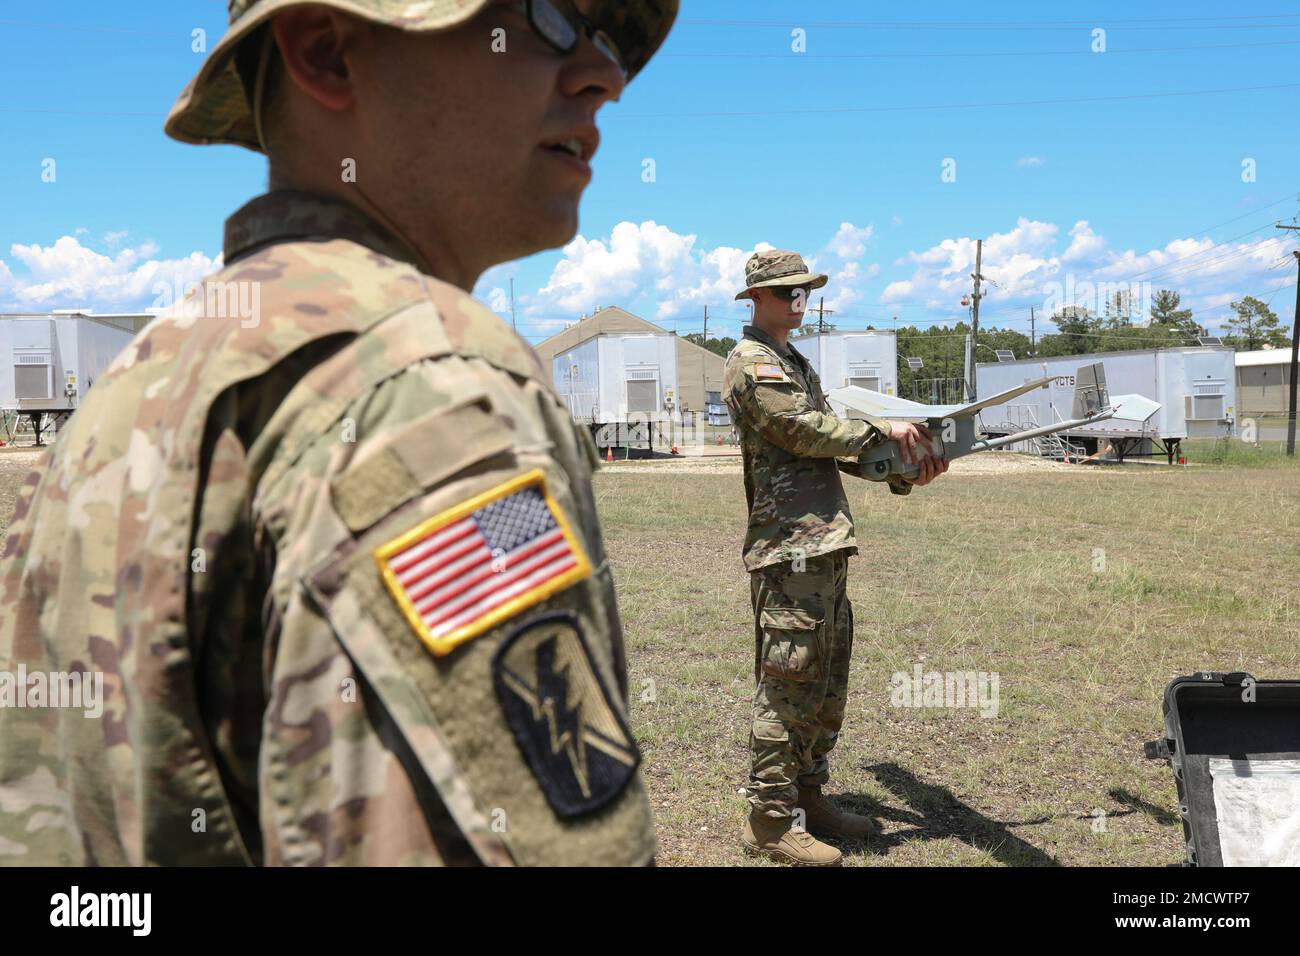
512, 303
1295, 355
704, 366
975, 316
1033, 339
822, 312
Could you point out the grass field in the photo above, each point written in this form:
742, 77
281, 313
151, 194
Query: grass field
996, 568
999, 573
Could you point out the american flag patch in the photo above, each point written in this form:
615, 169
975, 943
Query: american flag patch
468, 569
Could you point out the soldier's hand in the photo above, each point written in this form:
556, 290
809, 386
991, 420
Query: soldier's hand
915, 447
909, 435
930, 469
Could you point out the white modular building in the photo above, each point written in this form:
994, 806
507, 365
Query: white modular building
49, 361
1263, 382
1195, 386
865, 359
612, 376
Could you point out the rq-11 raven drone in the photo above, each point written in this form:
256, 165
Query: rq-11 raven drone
953, 427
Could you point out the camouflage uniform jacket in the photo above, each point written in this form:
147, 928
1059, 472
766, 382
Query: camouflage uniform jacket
794, 448
206, 533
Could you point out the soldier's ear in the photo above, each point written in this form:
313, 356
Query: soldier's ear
316, 45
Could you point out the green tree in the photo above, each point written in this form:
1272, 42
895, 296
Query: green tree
941, 350
1254, 325
722, 346
809, 327
1078, 330
1015, 342
1165, 314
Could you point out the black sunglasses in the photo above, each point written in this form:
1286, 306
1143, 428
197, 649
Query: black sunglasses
789, 293
561, 24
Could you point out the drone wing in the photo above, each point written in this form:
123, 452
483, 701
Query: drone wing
886, 406
889, 406
1134, 408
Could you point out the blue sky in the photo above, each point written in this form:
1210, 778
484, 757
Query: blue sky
1086, 175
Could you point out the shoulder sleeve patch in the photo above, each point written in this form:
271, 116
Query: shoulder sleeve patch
764, 372
417, 456
562, 716
482, 562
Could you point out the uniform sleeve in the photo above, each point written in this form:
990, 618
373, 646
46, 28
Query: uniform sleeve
446, 674
782, 414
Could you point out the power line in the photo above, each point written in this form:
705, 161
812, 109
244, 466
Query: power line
1148, 23
1288, 198
832, 110
84, 28
1226, 256
966, 54
1200, 252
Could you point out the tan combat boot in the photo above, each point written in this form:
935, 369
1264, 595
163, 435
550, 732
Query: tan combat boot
825, 819
782, 840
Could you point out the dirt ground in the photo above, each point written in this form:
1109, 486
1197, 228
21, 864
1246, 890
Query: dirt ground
987, 463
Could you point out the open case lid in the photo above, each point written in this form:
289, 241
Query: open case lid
1244, 735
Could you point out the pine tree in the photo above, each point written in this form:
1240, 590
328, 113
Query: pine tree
1166, 313
1254, 326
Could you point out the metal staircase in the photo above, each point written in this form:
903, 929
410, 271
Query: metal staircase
1046, 446
1056, 447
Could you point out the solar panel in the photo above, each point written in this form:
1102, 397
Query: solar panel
914, 364
1209, 340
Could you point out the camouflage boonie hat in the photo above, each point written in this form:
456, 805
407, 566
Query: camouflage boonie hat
213, 107
778, 267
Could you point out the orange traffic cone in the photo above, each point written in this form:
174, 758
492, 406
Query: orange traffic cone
609, 453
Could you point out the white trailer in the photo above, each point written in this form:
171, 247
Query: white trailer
49, 362
623, 385
866, 359
1196, 388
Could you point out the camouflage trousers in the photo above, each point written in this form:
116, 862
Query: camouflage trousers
803, 636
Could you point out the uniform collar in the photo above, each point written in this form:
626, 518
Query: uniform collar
758, 335
286, 215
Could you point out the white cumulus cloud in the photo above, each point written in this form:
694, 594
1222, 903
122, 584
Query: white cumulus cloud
68, 274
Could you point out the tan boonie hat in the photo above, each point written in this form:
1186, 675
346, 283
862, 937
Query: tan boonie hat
778, 267
213, 107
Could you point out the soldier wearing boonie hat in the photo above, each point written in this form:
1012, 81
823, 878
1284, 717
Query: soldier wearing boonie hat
779, 270
338, 561
799, 537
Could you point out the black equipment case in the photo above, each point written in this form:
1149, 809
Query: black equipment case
1232, 716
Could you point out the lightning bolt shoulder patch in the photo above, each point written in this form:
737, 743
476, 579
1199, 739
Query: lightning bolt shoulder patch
573, 738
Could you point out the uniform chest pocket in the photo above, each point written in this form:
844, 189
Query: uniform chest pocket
791, 644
